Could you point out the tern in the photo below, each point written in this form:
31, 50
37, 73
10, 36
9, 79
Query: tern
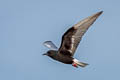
70, 42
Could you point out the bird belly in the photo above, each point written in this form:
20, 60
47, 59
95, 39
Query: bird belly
65, 59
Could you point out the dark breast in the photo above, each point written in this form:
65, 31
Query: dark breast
64, 58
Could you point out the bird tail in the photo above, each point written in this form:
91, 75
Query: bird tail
81, 64
78, 63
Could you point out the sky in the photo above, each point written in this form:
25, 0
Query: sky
26, 24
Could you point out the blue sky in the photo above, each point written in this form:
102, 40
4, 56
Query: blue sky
26, 24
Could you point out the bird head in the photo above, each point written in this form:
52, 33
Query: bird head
50, 53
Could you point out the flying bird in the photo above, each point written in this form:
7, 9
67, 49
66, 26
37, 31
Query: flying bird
70, 42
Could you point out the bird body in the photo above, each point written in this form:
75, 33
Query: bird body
70, 42
64, 58
60, 57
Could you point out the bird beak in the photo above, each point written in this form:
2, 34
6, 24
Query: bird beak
45, 54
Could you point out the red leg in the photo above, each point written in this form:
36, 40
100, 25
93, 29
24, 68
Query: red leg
75, 65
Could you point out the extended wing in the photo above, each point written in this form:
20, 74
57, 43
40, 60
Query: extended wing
50, 45
72, 37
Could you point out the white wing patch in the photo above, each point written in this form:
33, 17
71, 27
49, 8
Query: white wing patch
72, 44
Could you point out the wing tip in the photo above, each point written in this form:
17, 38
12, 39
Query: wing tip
97, 14
93, 17
100, 12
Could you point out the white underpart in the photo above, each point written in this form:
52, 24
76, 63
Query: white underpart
75, 61
78, 62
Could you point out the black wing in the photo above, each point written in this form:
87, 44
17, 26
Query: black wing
71, 38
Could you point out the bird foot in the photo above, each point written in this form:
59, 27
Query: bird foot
75, 65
